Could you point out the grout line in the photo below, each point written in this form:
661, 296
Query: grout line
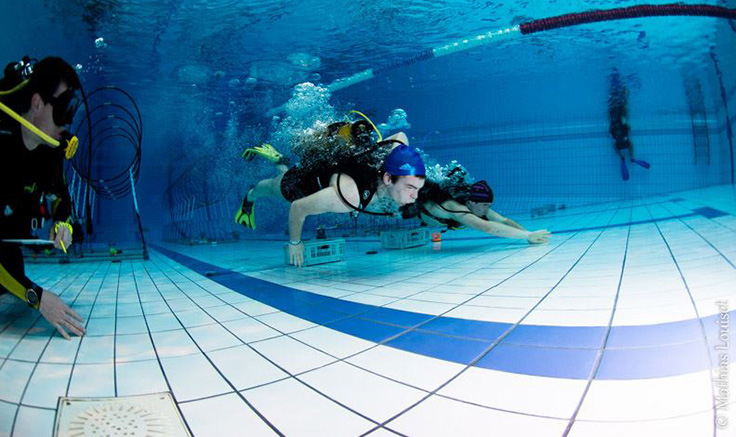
601, 350
35, 366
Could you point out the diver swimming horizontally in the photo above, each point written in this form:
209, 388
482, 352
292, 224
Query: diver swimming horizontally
454, 203
356, 175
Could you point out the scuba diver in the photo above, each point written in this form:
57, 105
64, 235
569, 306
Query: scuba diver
469, 206
37, 101
350, 180
619, 128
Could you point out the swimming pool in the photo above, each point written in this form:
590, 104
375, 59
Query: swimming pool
618, 325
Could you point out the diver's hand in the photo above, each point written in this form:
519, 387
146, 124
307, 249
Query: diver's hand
538, 237
61, 317
63, 235
296, 254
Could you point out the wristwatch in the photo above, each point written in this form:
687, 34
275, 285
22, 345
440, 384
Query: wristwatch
32, 297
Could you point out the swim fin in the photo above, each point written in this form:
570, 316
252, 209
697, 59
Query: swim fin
624, 171
246, 215
268, 152
641, 163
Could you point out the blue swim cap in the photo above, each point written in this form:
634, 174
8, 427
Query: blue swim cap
404, 161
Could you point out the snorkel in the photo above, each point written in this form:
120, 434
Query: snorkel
64, 107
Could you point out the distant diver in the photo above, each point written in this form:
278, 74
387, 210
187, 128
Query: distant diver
618, 115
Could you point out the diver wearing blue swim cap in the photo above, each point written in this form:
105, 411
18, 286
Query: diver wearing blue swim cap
404, 161
350, 185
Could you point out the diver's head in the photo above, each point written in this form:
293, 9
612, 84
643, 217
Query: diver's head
403, 174
403, 189
48, 100
480, 198
53, 113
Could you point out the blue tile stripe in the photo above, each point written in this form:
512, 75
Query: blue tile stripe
709, 213
633, 352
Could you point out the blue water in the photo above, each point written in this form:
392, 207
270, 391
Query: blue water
609, 329
527, 113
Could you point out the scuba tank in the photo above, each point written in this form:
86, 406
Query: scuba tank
358, 133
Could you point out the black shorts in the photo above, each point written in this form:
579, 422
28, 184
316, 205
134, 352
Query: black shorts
622, 144
299, 182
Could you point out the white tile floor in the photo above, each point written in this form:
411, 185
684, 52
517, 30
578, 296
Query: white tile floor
238, 366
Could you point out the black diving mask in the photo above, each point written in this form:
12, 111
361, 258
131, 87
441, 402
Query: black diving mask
65, 106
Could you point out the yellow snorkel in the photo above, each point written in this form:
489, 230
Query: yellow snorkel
71, 141
380, 137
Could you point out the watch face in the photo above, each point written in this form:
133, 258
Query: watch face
31, 296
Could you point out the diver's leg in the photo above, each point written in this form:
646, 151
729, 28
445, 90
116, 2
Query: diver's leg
268, 187
624, 170
620, 153
246, 215
639, 162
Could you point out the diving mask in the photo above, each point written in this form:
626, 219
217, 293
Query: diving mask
65, 106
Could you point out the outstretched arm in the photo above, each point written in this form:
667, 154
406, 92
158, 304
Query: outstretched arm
326, 200
496, 217
462, 214
53, 309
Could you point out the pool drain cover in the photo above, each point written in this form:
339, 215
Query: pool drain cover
145, 415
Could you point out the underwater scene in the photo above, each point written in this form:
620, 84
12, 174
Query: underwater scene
414, 218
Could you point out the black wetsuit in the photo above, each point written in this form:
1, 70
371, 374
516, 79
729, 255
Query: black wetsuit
299, 182
450, 223
619, 130
618, 113
32, 192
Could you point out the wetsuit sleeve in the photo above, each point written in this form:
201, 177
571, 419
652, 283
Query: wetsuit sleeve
12, 274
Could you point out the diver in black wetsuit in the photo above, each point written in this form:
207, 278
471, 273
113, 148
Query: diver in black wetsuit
38, 101
350, 182
618, 115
